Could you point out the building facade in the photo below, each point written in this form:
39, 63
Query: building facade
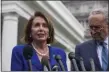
82, 9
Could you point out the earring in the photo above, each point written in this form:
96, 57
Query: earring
30, 35
48, 37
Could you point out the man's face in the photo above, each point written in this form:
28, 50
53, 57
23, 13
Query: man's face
98, 27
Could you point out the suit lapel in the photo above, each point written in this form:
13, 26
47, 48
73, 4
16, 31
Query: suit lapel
52, 59
95, 55
36, 64
35, 61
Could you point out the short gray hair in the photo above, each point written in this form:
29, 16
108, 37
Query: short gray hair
100, 11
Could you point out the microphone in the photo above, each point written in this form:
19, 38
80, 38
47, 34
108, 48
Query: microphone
82, 64
27, 53
45, 62
71, 56
92, 64
55, 67
45, 68
58, 59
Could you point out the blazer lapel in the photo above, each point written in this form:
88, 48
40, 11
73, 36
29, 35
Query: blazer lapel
52, 59
35, 61
36, 65
95, 55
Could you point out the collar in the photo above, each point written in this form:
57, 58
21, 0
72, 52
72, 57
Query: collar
106, 40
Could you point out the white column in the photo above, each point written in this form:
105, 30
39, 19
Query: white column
84, 21
9, 38
68, 61
0, 42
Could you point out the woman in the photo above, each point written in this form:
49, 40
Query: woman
39, 33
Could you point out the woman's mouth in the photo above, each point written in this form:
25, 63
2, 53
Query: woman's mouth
41, 35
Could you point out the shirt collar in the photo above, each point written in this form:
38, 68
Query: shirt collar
106, 40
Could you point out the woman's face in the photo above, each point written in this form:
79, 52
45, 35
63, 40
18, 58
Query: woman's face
39, 29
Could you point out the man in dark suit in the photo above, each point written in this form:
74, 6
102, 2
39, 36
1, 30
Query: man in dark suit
97, 48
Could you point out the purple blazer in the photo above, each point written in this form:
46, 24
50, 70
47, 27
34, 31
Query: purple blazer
19, 63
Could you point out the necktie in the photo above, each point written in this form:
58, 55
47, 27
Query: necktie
104, 57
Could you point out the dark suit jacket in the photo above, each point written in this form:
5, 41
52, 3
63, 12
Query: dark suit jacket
18, 62
88, 50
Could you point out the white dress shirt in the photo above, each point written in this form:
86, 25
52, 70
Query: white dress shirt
99, 50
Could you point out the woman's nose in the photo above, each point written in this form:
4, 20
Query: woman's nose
40, 27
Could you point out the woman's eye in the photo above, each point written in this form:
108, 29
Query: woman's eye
36, 25
39, 24
45, 25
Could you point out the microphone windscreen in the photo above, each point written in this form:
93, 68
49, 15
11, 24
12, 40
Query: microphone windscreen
81, 59
44, 60
27, 52
71, 55
92, 64
57, 57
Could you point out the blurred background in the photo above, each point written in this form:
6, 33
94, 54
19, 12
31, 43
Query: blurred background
69, 19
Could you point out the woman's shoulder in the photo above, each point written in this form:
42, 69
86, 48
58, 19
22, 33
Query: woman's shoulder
19, 47
58, 51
